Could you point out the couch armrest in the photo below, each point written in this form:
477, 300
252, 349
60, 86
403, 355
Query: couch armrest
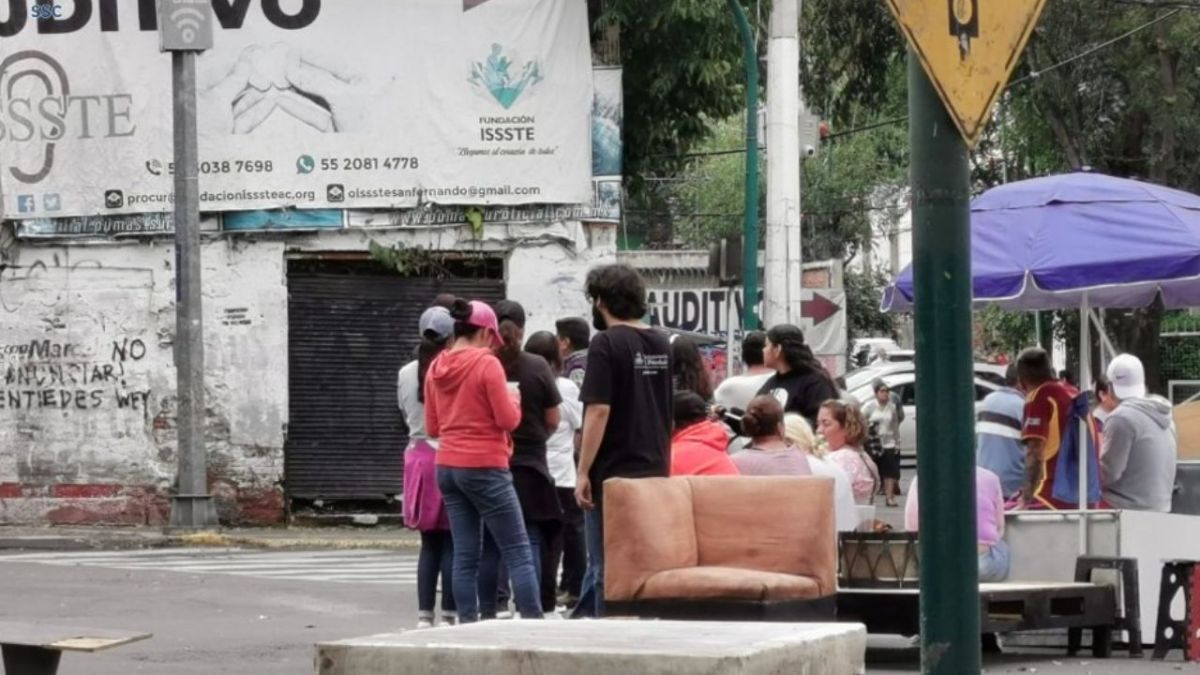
648, 528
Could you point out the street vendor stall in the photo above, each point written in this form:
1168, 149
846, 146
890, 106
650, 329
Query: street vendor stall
1084, 241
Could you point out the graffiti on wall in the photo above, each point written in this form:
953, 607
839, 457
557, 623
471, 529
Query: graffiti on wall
70, 377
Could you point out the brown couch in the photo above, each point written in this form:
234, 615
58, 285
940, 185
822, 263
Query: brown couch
721, 547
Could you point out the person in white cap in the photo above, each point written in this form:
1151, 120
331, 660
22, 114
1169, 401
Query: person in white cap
1139, 452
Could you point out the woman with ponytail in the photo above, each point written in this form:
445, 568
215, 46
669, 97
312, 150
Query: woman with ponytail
800, 383
531, 473
471, 409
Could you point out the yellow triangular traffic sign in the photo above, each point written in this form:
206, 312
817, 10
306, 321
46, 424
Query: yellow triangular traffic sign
969, 49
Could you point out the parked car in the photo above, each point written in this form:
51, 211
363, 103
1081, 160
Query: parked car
903, 384
865, 349
856, 378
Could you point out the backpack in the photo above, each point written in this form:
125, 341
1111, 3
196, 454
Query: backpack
1066, 470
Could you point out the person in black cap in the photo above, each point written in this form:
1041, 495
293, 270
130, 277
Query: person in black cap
535, 487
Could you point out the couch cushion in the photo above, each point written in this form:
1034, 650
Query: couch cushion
648, 528
781, 524
727, 583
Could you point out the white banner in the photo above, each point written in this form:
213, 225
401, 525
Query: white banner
302, 103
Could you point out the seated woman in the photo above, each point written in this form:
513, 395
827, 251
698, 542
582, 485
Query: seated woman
801, 436
989, 518
698, 444
768, 454
844, 430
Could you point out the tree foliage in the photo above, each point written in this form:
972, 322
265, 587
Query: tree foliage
682, 68
1096, 88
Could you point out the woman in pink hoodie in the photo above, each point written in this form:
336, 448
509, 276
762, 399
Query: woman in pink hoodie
472, 411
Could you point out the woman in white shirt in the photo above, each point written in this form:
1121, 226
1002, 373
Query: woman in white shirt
423, 507
568, 547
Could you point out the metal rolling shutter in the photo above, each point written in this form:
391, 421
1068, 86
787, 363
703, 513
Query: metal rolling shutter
348, 335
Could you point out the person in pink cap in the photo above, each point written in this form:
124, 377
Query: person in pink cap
471, 410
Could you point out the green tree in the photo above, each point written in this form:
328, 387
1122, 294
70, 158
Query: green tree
1123, 109
682, 64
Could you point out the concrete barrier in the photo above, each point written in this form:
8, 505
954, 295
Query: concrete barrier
603, 648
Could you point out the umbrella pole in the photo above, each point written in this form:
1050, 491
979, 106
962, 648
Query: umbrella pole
1085, 384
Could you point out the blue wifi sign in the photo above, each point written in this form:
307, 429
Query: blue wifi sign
185, 25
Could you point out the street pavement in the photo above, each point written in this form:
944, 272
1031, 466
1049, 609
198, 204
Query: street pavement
255, 611
222, 611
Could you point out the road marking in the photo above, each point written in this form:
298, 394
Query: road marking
357, 566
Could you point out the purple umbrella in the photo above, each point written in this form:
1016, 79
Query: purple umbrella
1056, 242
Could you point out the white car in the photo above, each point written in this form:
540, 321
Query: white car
856, 378
864, 349
903, 385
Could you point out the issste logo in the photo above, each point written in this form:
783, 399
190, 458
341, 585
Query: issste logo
46, 12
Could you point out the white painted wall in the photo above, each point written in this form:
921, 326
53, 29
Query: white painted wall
108, 309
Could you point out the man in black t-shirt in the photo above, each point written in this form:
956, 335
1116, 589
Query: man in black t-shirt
628, 407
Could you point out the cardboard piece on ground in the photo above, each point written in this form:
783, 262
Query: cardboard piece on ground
66, 638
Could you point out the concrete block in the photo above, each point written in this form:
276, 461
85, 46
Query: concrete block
604, 647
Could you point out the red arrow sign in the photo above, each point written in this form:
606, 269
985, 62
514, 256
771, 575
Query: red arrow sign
818, 309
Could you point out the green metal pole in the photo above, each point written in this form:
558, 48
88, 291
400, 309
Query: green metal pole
950, 641
750, 218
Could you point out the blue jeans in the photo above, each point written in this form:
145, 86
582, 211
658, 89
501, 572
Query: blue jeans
993, 565
490, 576
591, 598
476, 498
437, 557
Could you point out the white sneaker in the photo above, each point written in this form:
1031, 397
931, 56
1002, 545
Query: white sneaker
449, 620
424, 623
505, 615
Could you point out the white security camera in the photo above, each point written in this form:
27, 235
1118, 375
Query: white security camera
810, 151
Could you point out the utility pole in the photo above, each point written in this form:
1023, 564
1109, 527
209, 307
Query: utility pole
750, 206
185, 28
782, 289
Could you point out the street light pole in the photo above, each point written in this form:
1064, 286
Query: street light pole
185, 28
750, 210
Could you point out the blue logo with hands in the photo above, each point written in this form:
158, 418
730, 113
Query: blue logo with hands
495, 75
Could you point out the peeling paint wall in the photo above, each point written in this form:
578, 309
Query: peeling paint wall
87, 379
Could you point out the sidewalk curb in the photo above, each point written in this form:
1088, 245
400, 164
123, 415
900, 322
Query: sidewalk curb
216, 539
399, 540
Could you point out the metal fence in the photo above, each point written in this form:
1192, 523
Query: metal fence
1180, 391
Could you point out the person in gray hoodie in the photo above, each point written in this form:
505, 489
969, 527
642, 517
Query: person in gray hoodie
1139, 453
